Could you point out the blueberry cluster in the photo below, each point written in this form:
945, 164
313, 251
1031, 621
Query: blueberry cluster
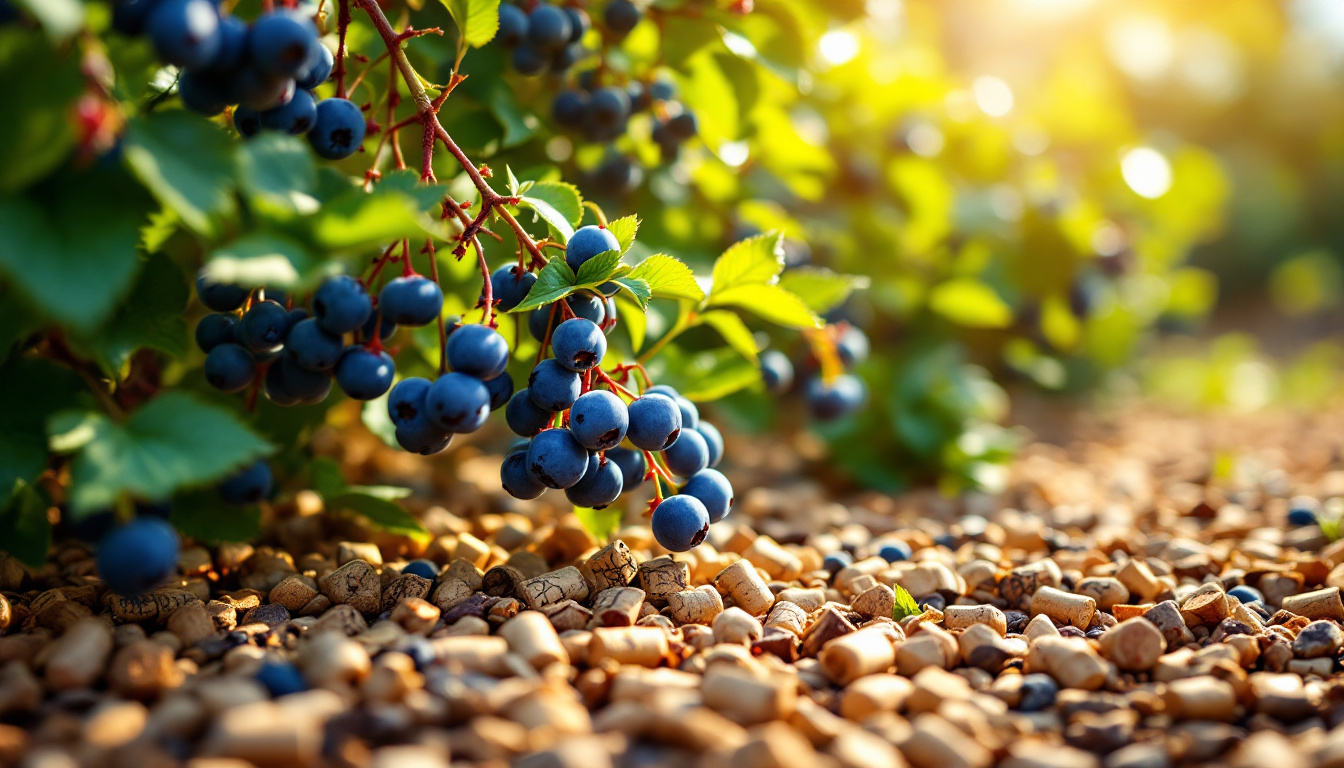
547, 39
268, 69
427, 413
826, 400
601, 113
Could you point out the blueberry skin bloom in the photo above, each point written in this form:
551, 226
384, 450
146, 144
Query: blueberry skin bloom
295, 118
500, 389
655, 422
508, 285
318, 67
548, 27
229, 368
516, 479
622, 16
579, 344
302, 385
680, 523
413, 300
423, 437
406, 403
588, 242
339, 129
281, 43
363, 374
280, 678
524, 416
601, 484
312, 347
457, 402
556, 459
221, 297
341, 305
632, 464
138, 556
263, 326
776, 371
512, 25
248, 485
688, 454
713, 490
214, 330
477, 350
842, 396
599, 420
713, 441
553, 387
185, 32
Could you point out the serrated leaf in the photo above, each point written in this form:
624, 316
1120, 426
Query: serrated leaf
599, 269
518, 123
186, 161
768, 302
150, 318
408, 183
477, 20
969, 302
821, 289
263, 259
637, 288
755, 260
40, 85
359, 220
162, 447
601, 523
624, 229
733, 330
558, 204
668, 278
277, 173
325, 477
555, 281
25, 529
203, 516
905, 604
513, 180
382, 513
43, 388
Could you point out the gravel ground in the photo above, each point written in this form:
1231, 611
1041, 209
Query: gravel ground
1094, 614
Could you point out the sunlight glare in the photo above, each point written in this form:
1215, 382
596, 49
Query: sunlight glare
839, 47
993, 96
1147, 172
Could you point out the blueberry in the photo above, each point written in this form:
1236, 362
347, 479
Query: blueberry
221, 297
578, 23
1038, 692
204, 93
570, 109
588, 306
599, 420
640, 99
257, 90
688, 454
548, 27
293, 317
662, 90
528, 60
138, 556
579, 344
413, 300
423, 437
776, 371
263, 326
556, 459
524, 416
713, 441
363, 374
341, 305
632, 464
312, 347
280, 678
515, 478
608, 111
566, 57
295, 118
232, 53
422, 568
377, 323
185, 33
554, 387
509, 286
421, 651
852, 346
281, 42
247, 122
621, 16
477, 350
895, 552
713, 490
617, 175
1246, 594
539, 319
835, 561
512, 25
1301, 515
248, 485
275, 387
129, 16
655, 422
690, 415
406, 402
841, 397
338, 131
588, 242
229, 368
317, 70
500, 389
215, 329
297, 384
601, 484
457, 402
664, 390
683, 126
680, 523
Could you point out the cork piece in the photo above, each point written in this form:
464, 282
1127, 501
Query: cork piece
355, 584
748, 699
77, 657
829, 624
503, 581
532, 636
1070, 660
1063, 607
776, 561
877, 600
550, 588
1201, 698
617, 606
849, 657
1320, 604
641, 646
1169, 621
567, 615
349, 551
1138, 578
1020, 584
472, 550
873, 694
963, 616
340, 619
416, 616
6, 614
1134, 645
930, 647
808, 599
294, 592
528, 563
787, 616
450, 593
1206, 607
143, 670
407, 586
465, 571
745, 587
191, 624
736, 627
936, 743
662, 576
612, 566
1107, 591
696, 606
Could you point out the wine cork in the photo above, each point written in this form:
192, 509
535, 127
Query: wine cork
416, 616
872, 694
1138, 578
528, 563
745, 698
735, 626
1124, 612
502, 581
740, 539
829, 625
612, 566
504, 609
695, 606
662, 576
746, 587
849, 657
787, 616
641, 646
1070, 660
808, 599
1107, 591
767, 555
870, 566
1134, 645
930, 647
567, 614
464, 570
877, 600
472, 549
861, 584
1063, 607
1321, 604
451, 593
407, 586
618, 606
1201, 698
963, 616
1206, 606
549, 588
657, 620
478, 653
77, 657
532, 636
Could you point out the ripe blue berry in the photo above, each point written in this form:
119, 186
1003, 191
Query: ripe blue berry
338, 131
713, 441
566, 57
554, 387
578, 23
457, 402
688, 454
422, 568
664, 390
662, 90
655, 422
509, 285
621, 16
683, 126
895, 552
713, 490
529, 60
600, 485
570, 109
247, 122
263, 326
632, 464
129, 16
835, 561
221, 297
280, 678
680, 523
312, 347
413, 301
204, 93
406, 402
500, 389
290, 384
524, 416
138, 556
248, 485
512, 25
852, 346
363, 374
776, 371
591, 240
185, 33
275, 388
839, 398
213, 330
341, 305
1246, 594
556, 459
257, 90
599, 420
588, 306
477, 350
539, 320
690, 415
281, 43
516, 479
1302, 511
379, 325
423, 437
608, 111
579, 344
295, 118
318, 68
548, 27
229, 368
1038, 692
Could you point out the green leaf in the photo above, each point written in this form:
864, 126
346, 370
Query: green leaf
60, 19
384, 514
325, 477
637, 288
513, 180
633, 317
601, 523
733, 330
358, 220
969, 302
277, 173
40, 87
174, 441
600, 269
713, 375
186, 162
555, 281
263, 259
202, 515
150, 318
25, 530
624, 229
768, 302
518, 123
668, 278
477, 20
905, 604
376, 420
559, 204
43, 388
715, 100
754, 261
820, 288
